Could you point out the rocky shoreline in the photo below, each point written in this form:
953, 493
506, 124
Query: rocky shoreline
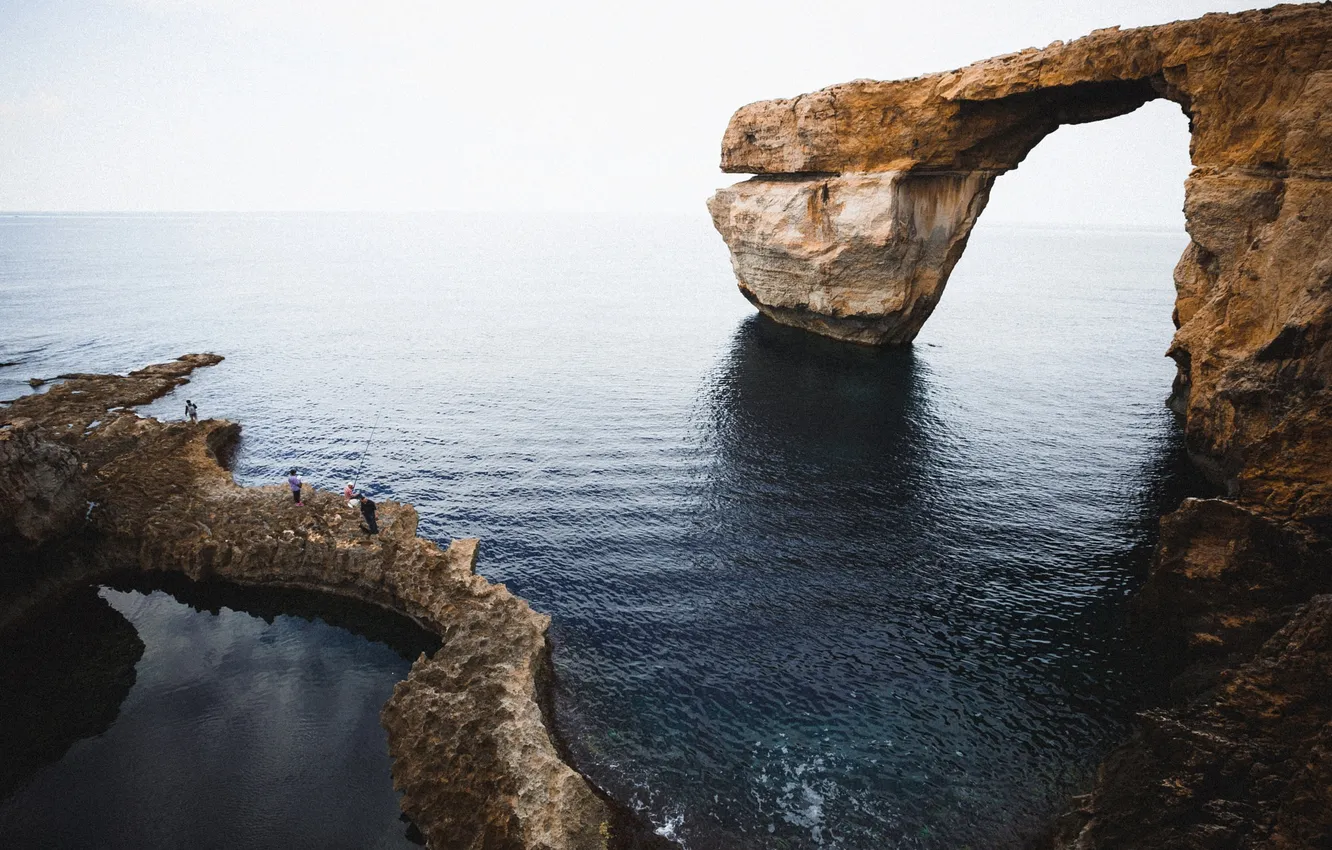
95, 490
863, 198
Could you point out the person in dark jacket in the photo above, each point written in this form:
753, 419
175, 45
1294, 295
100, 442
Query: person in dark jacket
368, 511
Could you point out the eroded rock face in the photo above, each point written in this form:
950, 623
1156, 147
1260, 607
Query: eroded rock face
473, 754
1247, 766
860, 257
44, 490
46, 482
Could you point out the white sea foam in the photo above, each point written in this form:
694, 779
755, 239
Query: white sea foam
671, 829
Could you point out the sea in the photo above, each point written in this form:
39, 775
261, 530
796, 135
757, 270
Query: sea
804, 594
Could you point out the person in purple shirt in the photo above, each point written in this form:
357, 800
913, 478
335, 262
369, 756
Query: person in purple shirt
294, 482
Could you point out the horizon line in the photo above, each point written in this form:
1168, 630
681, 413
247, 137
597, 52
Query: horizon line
34, 213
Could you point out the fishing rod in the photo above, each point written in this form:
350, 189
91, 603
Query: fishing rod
361, 465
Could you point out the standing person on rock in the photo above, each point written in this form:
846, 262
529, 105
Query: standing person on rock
294, 482
368, 511
192, 411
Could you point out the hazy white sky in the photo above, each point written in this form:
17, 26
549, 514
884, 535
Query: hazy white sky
413, 105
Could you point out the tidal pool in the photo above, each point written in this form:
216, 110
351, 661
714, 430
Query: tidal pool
172, 714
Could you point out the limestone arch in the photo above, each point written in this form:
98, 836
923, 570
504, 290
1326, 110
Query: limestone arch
864, 195
863, 253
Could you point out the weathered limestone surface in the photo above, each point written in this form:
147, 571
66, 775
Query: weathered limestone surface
861, 256
864, 197
473, 754
44, 491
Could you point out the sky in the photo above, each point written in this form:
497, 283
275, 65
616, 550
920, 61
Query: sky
499, 106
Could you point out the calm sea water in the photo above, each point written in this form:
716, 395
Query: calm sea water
804, 594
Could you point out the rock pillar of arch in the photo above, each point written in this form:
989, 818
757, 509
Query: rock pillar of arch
865, 194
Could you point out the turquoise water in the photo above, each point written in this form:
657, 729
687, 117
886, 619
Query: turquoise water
803, 594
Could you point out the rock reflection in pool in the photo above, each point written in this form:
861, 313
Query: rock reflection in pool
244, 725
63, 677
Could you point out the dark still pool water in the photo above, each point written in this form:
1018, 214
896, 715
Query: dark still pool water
201, 717
804, 594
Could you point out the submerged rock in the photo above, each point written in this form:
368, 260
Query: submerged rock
473, 753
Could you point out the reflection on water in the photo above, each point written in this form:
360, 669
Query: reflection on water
859, 644
63, 677
797, 417
802, 594
269, 604
257, 726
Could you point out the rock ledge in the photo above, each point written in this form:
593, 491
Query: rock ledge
472, 751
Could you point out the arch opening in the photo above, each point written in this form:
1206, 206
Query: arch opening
1126, 172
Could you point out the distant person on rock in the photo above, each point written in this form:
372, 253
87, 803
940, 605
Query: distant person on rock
192, 411
368, 511
349, 493
294, 482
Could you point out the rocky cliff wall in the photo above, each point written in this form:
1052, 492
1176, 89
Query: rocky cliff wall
44, 494
888, 240
864, 197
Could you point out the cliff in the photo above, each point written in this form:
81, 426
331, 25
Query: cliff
44, 494
473, 755
864, 196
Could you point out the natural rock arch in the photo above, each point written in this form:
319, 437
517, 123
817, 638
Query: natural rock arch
866, 193
857, 242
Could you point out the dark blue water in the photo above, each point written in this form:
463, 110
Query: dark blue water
804, 594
